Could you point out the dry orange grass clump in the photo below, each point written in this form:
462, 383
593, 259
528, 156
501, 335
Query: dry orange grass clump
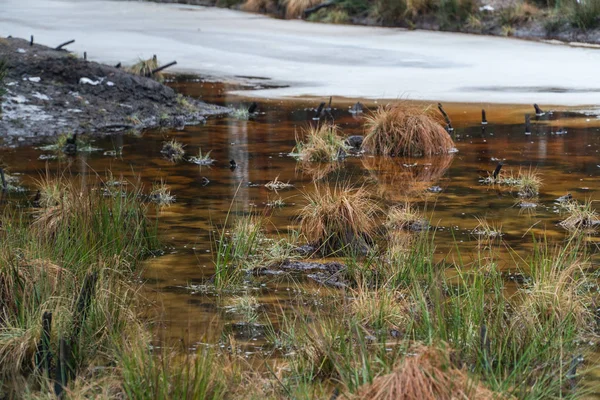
429, 375
260, 6
402, 129
338, 216
295, 8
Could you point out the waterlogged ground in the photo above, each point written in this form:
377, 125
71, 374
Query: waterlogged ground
178, 280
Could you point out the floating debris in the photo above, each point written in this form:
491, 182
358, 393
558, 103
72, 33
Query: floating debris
560, 131
564, 199
527, 204
434, 189
277, 203
276, 185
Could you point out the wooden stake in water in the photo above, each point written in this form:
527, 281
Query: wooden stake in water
446, 117
527, 124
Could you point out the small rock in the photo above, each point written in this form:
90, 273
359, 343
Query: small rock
355, 141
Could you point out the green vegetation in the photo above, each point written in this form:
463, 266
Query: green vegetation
556, 16
73, 258
202, 158
321, 143
409, 324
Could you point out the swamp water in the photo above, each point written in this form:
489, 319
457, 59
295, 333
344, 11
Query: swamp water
178, 281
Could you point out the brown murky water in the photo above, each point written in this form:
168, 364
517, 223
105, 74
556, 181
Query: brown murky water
567, 164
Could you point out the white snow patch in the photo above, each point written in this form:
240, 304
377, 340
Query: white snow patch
40, 96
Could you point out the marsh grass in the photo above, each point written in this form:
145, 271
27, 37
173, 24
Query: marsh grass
240, 113
485, 229
161, 194
83, 144
295, 8
169, 374
260, 6
201, 158
145, 68
584, 14
404, 130
406, 217
173, 150
339, 216
320, 143
241, 245
527, 182
44, 260
580, 217
427, 373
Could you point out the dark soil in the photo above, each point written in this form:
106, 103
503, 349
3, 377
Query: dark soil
47, 94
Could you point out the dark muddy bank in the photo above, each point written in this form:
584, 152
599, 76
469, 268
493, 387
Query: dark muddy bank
50, 92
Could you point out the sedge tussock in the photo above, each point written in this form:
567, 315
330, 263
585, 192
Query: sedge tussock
426, 375
338, 216
405, 130
295, 8
321, 143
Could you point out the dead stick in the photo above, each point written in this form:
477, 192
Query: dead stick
60, 46
3, 179
154, 71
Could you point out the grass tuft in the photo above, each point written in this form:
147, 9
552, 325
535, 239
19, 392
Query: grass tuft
145, 68
426, 373
581, 217
338, 216
201, 159
173, 150
402, 129
161, 194
322, 143
296, 8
